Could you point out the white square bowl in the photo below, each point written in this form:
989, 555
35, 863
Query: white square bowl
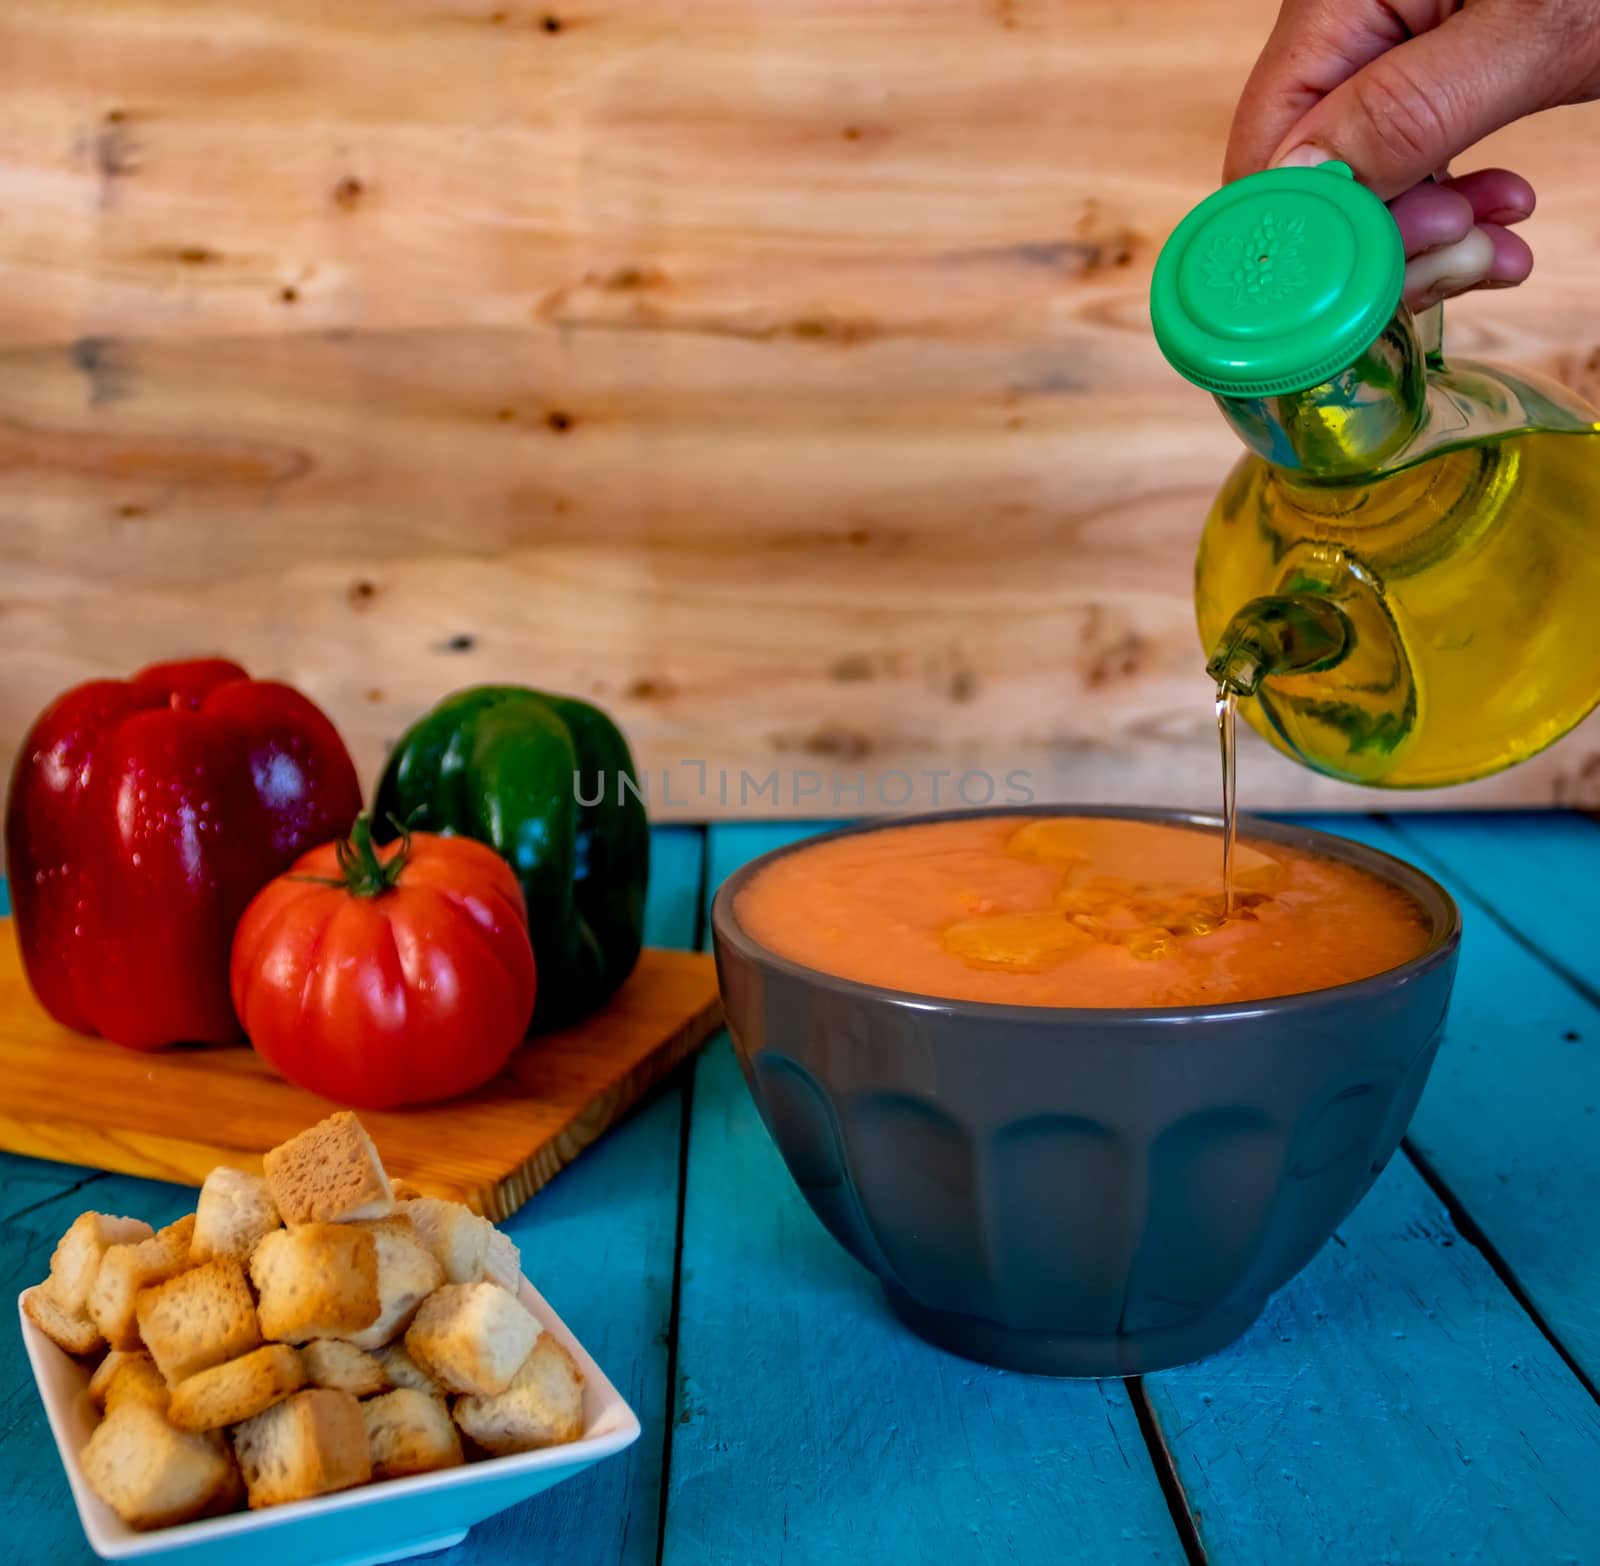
386, 1521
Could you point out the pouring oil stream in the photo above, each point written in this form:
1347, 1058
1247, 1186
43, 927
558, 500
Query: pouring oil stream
1227, 708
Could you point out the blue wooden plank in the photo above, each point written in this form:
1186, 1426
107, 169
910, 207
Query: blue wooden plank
37, 1519
812, 1427
599, 1241
27, 1183
1510, 1120
673, 905
1394, 1403
1540, 873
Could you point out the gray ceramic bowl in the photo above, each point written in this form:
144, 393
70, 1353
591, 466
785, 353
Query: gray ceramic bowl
1086, 1192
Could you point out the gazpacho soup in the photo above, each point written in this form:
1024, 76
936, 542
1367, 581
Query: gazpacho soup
1077, 911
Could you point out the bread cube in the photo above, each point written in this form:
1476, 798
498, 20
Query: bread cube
332, 1363
409, 1432
454, 1233
103, 1372
315, 1281
236, 1390
152, 1475
75, 1333
472, 1337
543, 1406
408, 1273
234, 1213
77, 1256
403, 1371
310, 1444
503, 1263
329, 1174
127, 1268
128, 1377
198, 1319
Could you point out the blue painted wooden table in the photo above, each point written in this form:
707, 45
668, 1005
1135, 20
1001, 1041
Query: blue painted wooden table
1424, 1392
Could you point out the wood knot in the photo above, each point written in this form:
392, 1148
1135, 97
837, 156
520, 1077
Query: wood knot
962, 686
837, 743
1116, 660
851, 669
560, 423
348, 192
628, 278
114, 152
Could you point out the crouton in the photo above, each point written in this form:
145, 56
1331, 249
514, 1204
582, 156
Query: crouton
503, 1264
309, 1444
77, 1256
454, 1233
103, 1372
236, 1390
121, 1377
77, 1334
543, 1406
409, 1432
235, 1212
472, 1337
152, 1475
125, 1269
315, 1281
408, 1273
331, 1363
404, 1190
329, 1174
198, 1319
403, 1371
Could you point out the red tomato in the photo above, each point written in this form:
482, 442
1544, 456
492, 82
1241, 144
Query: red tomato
387, 976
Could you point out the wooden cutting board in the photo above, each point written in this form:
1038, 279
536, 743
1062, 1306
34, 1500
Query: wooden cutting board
177, 1113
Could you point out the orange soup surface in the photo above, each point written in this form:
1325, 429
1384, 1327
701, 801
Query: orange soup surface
1077, 911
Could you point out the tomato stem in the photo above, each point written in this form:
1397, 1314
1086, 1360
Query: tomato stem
365, 874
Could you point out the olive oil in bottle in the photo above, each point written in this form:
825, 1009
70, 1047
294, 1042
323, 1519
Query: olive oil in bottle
1400, 580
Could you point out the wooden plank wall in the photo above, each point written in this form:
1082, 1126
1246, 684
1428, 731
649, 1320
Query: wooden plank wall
775, 371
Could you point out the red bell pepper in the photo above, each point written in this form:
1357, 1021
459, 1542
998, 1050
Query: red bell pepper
144, 815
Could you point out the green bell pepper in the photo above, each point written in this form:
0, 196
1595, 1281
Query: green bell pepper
543, 780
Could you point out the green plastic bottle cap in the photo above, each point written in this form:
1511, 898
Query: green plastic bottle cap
1276, 282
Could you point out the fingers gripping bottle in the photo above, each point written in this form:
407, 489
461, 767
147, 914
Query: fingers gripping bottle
1400, 579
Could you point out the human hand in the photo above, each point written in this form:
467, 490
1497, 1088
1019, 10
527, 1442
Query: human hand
1396, 89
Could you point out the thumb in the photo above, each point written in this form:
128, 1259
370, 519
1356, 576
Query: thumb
1414, 108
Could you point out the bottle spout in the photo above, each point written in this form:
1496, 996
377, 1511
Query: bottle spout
1292, 634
